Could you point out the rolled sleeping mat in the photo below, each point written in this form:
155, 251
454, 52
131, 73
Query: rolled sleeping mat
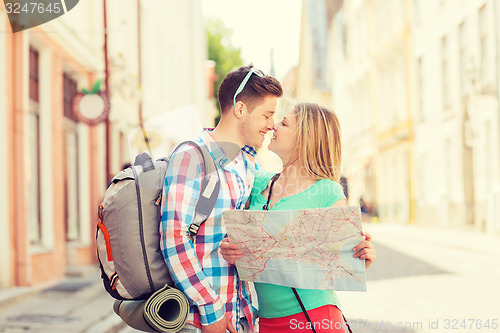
165, 311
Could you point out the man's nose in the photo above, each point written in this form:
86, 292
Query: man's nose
270, 124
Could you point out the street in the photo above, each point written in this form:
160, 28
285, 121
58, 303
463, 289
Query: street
428, 280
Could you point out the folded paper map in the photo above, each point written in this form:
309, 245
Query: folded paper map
306, 248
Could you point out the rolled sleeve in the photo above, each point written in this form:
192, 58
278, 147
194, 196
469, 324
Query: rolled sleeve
211, 313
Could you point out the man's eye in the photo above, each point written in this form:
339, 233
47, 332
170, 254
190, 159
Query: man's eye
266, 117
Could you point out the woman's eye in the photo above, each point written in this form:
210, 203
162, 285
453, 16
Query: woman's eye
283, 123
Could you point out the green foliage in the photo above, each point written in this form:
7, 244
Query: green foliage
221, 50
95, 88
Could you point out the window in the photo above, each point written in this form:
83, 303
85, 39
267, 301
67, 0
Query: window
34, 72
420, 85
416, 9
462, 57
383, 20
449, 168
445, 74
33, 121
402, 93
422, 177
483, 42
394, 102
488, 160
70, 90
71, 183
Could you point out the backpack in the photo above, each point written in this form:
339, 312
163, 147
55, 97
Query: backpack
128, 236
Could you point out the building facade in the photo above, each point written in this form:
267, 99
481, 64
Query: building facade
55, 167
49, 187
456, 65
415, 84
370, 73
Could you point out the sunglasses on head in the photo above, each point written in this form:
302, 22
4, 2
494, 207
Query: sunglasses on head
245, 80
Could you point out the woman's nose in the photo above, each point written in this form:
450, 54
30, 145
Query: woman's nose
276, 126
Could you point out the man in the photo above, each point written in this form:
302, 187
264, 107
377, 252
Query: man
219, 300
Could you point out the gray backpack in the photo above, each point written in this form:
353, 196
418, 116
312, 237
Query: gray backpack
128, 237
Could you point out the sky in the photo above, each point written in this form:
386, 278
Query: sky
259, 26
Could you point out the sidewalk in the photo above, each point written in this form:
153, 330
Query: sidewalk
437, 245
426, 280
79, 303
467, 239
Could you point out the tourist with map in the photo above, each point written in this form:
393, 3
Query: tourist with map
308, 142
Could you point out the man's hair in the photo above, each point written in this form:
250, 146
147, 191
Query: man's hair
255, 89
318, 141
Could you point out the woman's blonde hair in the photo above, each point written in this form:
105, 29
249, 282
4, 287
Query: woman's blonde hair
318, 141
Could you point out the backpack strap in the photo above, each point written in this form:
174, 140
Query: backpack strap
210, 187
145, 161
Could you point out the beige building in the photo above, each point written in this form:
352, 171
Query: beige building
55, 166
415, 86
456, 66
370, 72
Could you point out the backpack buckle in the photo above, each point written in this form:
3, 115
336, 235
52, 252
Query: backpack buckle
193, 228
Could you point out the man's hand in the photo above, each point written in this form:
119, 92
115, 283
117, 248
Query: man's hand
365, 250
221, 326
229, 251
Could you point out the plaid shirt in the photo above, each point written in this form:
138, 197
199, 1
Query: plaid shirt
210, 283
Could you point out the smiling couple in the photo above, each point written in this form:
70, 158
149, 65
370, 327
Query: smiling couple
308, 142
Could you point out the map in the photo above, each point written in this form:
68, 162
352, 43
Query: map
307, 248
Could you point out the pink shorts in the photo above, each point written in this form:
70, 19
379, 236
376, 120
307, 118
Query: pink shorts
327, 318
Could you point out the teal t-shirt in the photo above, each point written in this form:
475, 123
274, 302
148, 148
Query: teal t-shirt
279, 301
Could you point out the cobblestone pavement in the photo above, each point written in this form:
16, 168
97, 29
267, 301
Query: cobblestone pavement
77, 304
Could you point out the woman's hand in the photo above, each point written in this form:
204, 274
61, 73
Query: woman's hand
229, 251
365, 250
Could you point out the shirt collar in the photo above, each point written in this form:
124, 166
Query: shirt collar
249, 150
221, 157
217, 151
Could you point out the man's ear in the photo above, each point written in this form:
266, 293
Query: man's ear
239, 109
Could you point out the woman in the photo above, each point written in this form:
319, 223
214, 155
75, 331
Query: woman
308, 142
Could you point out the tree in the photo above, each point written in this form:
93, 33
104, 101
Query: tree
221, 50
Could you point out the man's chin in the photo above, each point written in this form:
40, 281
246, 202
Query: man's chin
258, 144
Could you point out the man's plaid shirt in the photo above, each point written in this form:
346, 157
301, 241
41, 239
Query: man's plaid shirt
210, 283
